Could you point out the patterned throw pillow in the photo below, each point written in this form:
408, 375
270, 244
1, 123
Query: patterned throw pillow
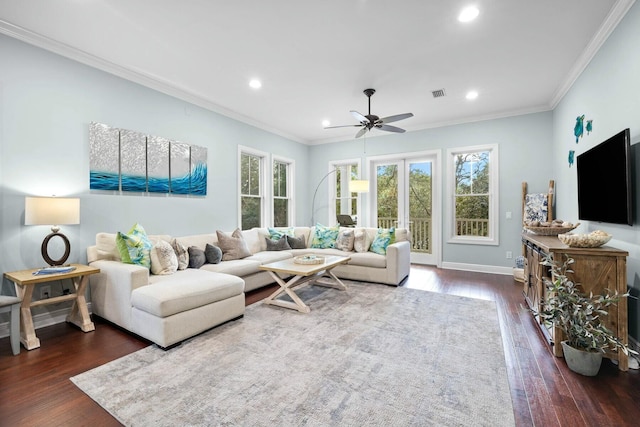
325, 237
296, 242
181, 253
163, 258
234, 246
275, 234
345, 240
134, 247
361, 240
384, 237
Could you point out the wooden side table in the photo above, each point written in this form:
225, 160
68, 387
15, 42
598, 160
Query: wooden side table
25, 280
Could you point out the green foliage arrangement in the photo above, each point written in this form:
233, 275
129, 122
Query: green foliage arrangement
579, 315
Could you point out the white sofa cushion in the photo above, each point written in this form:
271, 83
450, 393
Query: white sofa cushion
270, 256
237, 267
184, 290
368, 259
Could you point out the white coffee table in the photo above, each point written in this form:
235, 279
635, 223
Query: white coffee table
302, 274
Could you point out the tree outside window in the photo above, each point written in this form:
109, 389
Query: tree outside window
473, 194
281, 194
251, 198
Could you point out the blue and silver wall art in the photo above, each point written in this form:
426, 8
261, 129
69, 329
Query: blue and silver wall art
126, 160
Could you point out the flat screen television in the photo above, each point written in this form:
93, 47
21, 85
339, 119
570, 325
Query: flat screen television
604, 181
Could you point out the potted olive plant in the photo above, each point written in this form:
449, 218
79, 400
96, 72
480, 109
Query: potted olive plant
579, 318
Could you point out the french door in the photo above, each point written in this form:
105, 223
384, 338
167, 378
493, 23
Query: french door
406, 194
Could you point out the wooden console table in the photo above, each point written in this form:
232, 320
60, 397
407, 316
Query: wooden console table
595, 269
25, 280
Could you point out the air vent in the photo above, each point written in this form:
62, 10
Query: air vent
438, 93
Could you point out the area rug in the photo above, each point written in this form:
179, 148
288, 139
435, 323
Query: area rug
373, 355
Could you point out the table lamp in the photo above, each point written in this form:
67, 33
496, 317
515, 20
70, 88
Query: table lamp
54, 211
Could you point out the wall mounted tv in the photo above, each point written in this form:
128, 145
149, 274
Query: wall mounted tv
604, 181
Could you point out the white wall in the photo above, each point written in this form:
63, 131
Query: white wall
608, 92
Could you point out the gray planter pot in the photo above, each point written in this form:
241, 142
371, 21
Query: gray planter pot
583, 362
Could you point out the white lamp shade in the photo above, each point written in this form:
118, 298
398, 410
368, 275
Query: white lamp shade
51, 211
359, 186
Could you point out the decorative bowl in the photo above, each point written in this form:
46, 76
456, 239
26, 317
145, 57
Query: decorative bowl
308, 259
591, 240
549, 231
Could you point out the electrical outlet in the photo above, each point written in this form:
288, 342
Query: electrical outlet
509, 254
45, 291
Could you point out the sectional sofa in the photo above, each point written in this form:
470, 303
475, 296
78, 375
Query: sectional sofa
169, 308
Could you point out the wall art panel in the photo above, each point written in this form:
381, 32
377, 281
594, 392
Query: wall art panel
198, 170
180, 168
133, 166
104, 157
158, 164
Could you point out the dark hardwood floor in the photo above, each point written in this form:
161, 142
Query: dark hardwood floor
35, 389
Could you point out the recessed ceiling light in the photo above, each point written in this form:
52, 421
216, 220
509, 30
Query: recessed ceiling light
468, 14
326, 123
472, 95
255, 83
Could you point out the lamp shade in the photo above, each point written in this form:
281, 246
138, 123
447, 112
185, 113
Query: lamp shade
51, 211
359, 186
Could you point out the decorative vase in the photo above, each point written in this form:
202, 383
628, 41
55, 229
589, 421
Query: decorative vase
582, 362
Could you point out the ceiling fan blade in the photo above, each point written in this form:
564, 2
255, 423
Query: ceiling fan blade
362, 132
395, 118
359, 117
343, 126
390, 128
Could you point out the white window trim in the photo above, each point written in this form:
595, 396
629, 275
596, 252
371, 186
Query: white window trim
265, 191
331, 190
494, 216
291, 187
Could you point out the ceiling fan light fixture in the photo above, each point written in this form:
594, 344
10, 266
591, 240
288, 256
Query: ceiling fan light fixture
255, 84
468, 14
326, 123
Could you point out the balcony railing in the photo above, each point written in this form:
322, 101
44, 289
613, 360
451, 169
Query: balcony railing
420, 230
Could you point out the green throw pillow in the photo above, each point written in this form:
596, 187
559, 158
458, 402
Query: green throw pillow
325, 237
134, 247
384, 237
275, 234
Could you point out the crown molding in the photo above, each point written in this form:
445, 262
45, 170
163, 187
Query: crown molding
136, 76
617, 12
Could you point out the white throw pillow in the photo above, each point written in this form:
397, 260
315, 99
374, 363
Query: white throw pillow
361, 242
345, 240
181, 253
163, 258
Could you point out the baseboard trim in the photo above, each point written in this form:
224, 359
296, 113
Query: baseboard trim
42, 320
478, 268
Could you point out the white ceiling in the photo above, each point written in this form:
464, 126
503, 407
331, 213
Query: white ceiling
315, 58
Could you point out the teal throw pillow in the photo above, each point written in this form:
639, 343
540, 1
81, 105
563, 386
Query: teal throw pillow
134, 247
275, 234
325, 237
384, 237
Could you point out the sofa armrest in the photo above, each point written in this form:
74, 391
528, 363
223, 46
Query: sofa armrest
111, 289
398, 261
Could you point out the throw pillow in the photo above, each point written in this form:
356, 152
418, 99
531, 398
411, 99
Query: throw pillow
213, 254
277, 245
296, 242
325, 237
163, 258
197, 258
278, 234
181, 253
134, 247
234, 246
384, 237
361, 240
345, 240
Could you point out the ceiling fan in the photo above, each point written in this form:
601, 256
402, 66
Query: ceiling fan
371, 121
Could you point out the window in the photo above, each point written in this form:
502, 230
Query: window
283, 205
474, 189
345, 202
251, 189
